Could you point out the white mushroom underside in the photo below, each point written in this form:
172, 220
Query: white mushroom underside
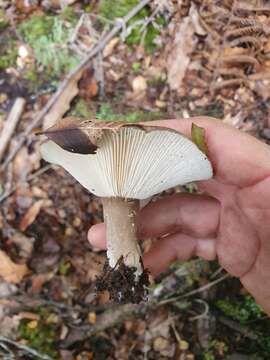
133, 163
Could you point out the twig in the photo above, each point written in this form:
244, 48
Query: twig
93, 52
196, 291
106, 320
10, 124
238, 327
29, 178
25, 348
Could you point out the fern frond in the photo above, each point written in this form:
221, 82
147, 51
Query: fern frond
241, 59
227, 83
247, 40
233, 71
241, 21
245, 31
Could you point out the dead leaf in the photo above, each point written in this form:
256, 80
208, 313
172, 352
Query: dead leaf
69, 134
31, 214
25, 244
8, 324
10, 271
110, 46
183, 45
29, 315
22, 167
88, 85
39, 280
139, 84
160, 344
63, 103
92, 318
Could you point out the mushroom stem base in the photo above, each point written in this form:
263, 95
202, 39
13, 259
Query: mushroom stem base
124, 276
121, 232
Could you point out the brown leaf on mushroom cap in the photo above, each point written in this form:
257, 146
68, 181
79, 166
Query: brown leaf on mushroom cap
81, 137
132, 161
69, 133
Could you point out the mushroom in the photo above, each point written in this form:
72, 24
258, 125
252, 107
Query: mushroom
123, 164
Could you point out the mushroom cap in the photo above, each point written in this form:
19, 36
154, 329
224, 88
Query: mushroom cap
134, 163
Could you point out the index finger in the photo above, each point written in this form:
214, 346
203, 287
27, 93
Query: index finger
238, 158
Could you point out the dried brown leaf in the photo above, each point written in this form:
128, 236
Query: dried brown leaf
139, 85
247, 40
31, 214
11, 271
88, 85
75, 136
245, 31
63, 103
241, 59
183, 45
110, 47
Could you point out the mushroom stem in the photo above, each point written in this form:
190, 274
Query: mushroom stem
121, 232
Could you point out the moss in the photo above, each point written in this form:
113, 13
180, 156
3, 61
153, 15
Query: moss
107, 113
213, 110
253, 308
31, 75
233, 310
3, 20
246, 310
81, 109
39, 334
208, 355
136, 66
48, 36
64, 268
8, 53
112, 10
68, 14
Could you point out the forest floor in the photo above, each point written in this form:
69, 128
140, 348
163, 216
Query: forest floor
173, 59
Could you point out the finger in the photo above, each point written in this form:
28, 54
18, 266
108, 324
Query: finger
228, 149
177, 246
195, 215
96, 236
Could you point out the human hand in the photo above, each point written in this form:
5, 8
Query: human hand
231, 222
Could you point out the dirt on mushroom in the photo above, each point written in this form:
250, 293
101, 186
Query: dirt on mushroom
122, 285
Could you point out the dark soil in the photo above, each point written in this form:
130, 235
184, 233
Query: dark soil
122, 283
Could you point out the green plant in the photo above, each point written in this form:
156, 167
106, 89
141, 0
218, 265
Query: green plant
243, 312
39, 334
112, 10
233, 310
8, 54
48, 36
64, 268
253, 307
81, 109
3, 20
208, 355
136, 66
107, 113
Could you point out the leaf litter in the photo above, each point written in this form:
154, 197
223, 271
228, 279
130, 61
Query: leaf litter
209, 59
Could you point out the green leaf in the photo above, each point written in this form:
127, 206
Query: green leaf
198, 137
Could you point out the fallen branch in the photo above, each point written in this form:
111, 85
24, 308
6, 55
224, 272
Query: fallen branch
245, 331
39, 172
108, 319
196, 291
10, 124
32, 352
83, 64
